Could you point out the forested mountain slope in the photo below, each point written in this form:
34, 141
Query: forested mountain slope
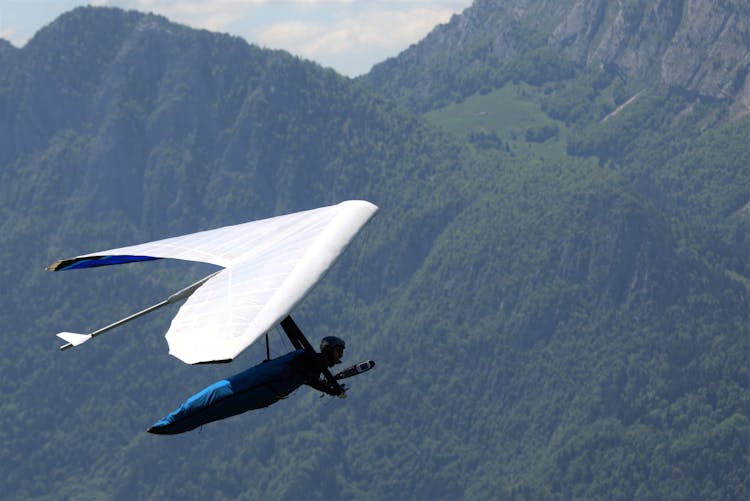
119, 127
657, 95
543, 328
658, 91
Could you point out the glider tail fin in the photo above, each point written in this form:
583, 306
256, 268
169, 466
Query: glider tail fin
73, 339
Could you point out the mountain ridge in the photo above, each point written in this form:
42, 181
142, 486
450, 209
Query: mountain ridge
695, 46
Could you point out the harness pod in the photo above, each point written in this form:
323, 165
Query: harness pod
254, 388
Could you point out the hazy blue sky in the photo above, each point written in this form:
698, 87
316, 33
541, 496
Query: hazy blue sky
348, 35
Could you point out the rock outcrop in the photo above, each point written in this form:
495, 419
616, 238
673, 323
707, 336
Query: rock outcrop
700, 47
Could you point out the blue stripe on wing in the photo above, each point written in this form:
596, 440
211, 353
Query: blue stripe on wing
94, 261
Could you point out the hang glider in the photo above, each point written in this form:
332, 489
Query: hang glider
269, 266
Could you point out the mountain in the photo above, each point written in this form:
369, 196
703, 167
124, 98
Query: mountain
658, 90
553, 314
7, 52
121, 127
696, 46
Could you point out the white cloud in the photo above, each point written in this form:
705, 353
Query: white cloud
214, 15
372, 32
289, 33
220, 14
9, 34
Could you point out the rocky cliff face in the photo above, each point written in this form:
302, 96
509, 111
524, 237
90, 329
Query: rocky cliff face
696, 46
494, 29
700, 46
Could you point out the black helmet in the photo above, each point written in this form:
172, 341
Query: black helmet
331, 342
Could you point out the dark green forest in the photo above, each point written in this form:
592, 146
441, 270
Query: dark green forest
558, 307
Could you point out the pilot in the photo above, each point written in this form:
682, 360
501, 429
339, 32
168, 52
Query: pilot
259, 386
313, 364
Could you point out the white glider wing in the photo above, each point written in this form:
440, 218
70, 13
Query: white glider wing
270, 265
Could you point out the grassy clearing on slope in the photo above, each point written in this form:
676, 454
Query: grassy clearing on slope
510, 113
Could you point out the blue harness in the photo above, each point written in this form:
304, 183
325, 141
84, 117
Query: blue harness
255, 388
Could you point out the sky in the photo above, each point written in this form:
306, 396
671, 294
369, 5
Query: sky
347, 35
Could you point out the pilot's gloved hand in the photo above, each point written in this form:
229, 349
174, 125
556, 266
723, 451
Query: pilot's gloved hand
342, 394
339, 391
